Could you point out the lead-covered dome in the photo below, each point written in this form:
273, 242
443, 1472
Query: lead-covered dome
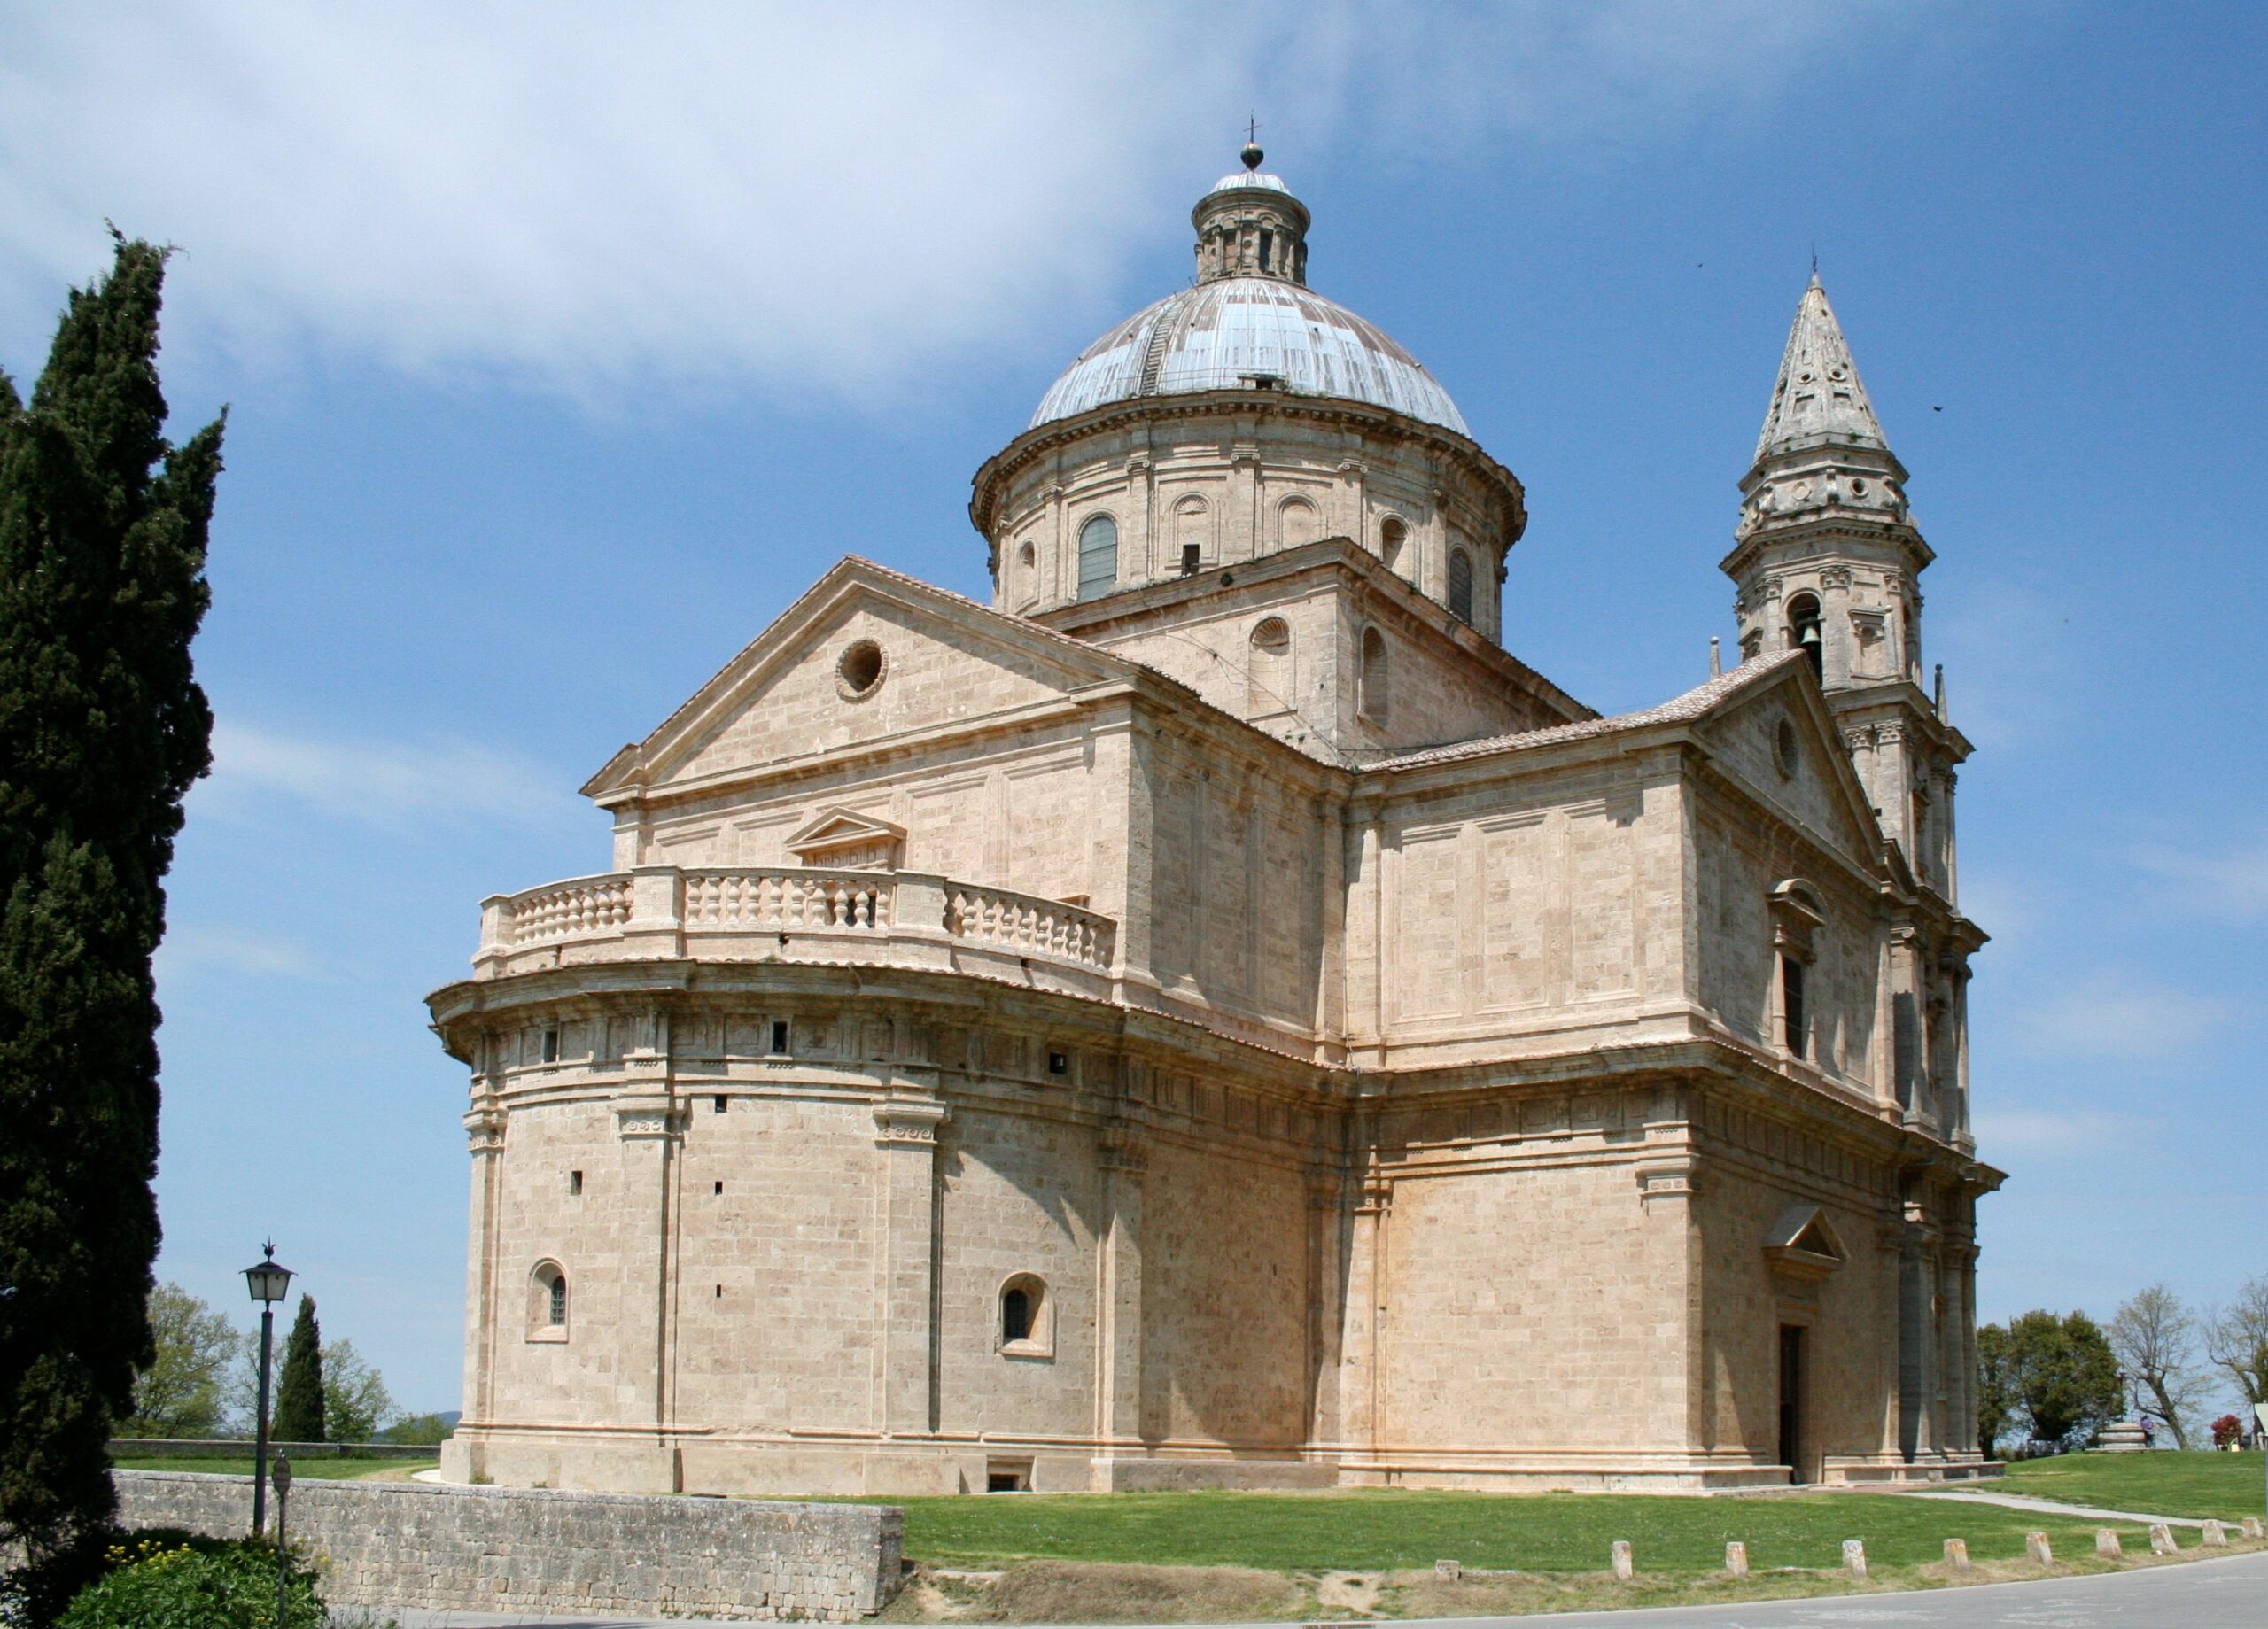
1248, 332
1250, 323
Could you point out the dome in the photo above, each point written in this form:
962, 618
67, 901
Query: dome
1236, 331
1250, 322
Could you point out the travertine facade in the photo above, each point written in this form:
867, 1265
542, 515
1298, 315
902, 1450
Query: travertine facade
1215, 1017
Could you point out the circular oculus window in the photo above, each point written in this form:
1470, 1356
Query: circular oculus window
859, 672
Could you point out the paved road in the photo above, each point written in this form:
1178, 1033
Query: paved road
2198, 1594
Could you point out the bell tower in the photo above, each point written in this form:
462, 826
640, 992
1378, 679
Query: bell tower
1828, 561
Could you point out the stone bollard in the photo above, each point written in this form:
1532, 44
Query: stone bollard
2216, 1537
2252, 1528
1448, 1570
2036, 1547
2162, 1540
2106, 1543
1854, 1557
1956, 1552
1620, 1555
1736, 1559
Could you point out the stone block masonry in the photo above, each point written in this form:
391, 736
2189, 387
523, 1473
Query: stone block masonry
493, 1550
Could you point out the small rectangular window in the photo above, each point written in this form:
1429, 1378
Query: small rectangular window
551, 1046
1059, 1063
720, 1101
1791, 1002
779, 1036
1189, 562
720, 1292
720, 1187
574, 1181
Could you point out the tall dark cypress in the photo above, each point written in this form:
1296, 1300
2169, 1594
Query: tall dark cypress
103, 728
299, 1388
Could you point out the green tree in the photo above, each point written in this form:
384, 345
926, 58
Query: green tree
416, 1428
356, 1402
103, 729
298, 1389
181, 1391
2064, 1374
1996, 1394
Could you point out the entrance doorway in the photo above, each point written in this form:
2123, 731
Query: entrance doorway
1791, 1400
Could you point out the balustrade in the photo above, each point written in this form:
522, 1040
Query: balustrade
653, 910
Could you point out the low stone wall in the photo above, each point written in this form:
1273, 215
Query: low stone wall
242, 1447
493, 1549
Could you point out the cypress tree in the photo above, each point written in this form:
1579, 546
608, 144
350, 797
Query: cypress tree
298, 1389
103, 728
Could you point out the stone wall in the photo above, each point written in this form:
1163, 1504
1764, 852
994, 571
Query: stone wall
402, 1543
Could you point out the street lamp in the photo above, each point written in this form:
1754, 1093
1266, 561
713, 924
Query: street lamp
283, 1556
267, 1280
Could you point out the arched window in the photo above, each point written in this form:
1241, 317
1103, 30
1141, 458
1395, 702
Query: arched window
1393, 534
1027, 1320
1461, 585
1027, 586
1804, 632
1191, 527
547, 1302
1098, 557
1296, 522
1373, 700
1268, 668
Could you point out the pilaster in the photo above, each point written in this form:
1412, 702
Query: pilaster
906, 1132
1118, 1303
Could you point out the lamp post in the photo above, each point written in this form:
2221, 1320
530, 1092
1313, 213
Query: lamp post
268, 1281
283, 1556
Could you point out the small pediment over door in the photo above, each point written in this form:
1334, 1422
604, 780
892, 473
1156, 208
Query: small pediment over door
843, 840
1802, 1246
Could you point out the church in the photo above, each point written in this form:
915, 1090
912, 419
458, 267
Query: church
1214, 1017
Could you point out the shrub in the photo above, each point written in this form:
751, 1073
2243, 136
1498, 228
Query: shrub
2226, 1430
173, 1580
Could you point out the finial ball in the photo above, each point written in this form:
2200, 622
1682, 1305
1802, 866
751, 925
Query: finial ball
1252, 155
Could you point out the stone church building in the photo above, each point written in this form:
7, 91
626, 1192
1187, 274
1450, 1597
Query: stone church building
1214, 1017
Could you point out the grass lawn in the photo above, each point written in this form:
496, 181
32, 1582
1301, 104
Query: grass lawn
326, 1468
1399, 1530
2227, 1485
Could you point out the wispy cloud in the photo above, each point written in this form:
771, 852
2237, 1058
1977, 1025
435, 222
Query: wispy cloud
809, 198
2108, 1014
376, 782
238, 949
2229, 882
2002, 1134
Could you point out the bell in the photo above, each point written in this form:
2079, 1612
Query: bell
1808, 634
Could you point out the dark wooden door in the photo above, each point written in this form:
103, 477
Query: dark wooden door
1791, 1400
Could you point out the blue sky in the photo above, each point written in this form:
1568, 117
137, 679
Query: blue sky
563, 350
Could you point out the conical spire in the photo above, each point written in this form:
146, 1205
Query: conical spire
1819, 394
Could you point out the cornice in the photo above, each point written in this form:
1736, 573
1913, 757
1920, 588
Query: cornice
992, 476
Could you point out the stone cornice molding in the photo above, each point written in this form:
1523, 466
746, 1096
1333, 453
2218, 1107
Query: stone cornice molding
1375, 423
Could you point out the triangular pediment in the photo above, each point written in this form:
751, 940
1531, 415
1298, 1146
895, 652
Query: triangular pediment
843, 837
1806, 1228
1779, 739
1802, 1244
866, 659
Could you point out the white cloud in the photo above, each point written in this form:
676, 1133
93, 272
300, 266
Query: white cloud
2231, 883
2109, 1015
380, 783
2005, 1133
238, 951
809, 199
